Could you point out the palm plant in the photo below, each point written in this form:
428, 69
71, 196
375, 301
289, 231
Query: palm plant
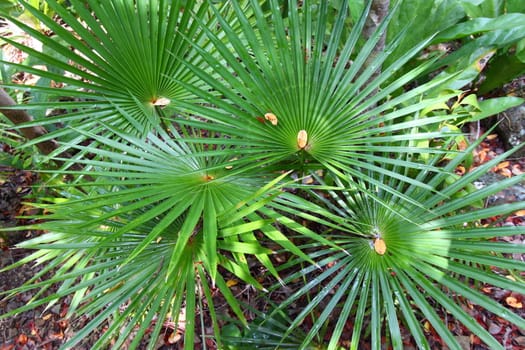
160, 218
298, 102
400, 260
195, 135
114, 60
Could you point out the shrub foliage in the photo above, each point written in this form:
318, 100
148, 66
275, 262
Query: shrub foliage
213, 135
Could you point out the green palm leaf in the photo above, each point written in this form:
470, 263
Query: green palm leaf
289, 68
117, 59
405, 261
190, 135
159, 212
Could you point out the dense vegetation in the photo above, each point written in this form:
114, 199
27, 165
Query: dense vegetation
196, 141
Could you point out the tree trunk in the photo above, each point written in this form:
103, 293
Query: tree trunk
17, 117
378, 12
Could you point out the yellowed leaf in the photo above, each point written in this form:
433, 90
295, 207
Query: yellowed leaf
514, 302
380, 246
502, 165
308, 180
174, 337
272, 118
231, 283
482, 60
505, 172
520, 212
115, 287
460, 170
302, 139
482, 156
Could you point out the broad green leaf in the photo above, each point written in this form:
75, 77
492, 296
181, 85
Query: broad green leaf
480, 25
414, 15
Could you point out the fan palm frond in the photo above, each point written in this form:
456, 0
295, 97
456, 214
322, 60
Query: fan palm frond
296, 101
405, 262
115, 61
